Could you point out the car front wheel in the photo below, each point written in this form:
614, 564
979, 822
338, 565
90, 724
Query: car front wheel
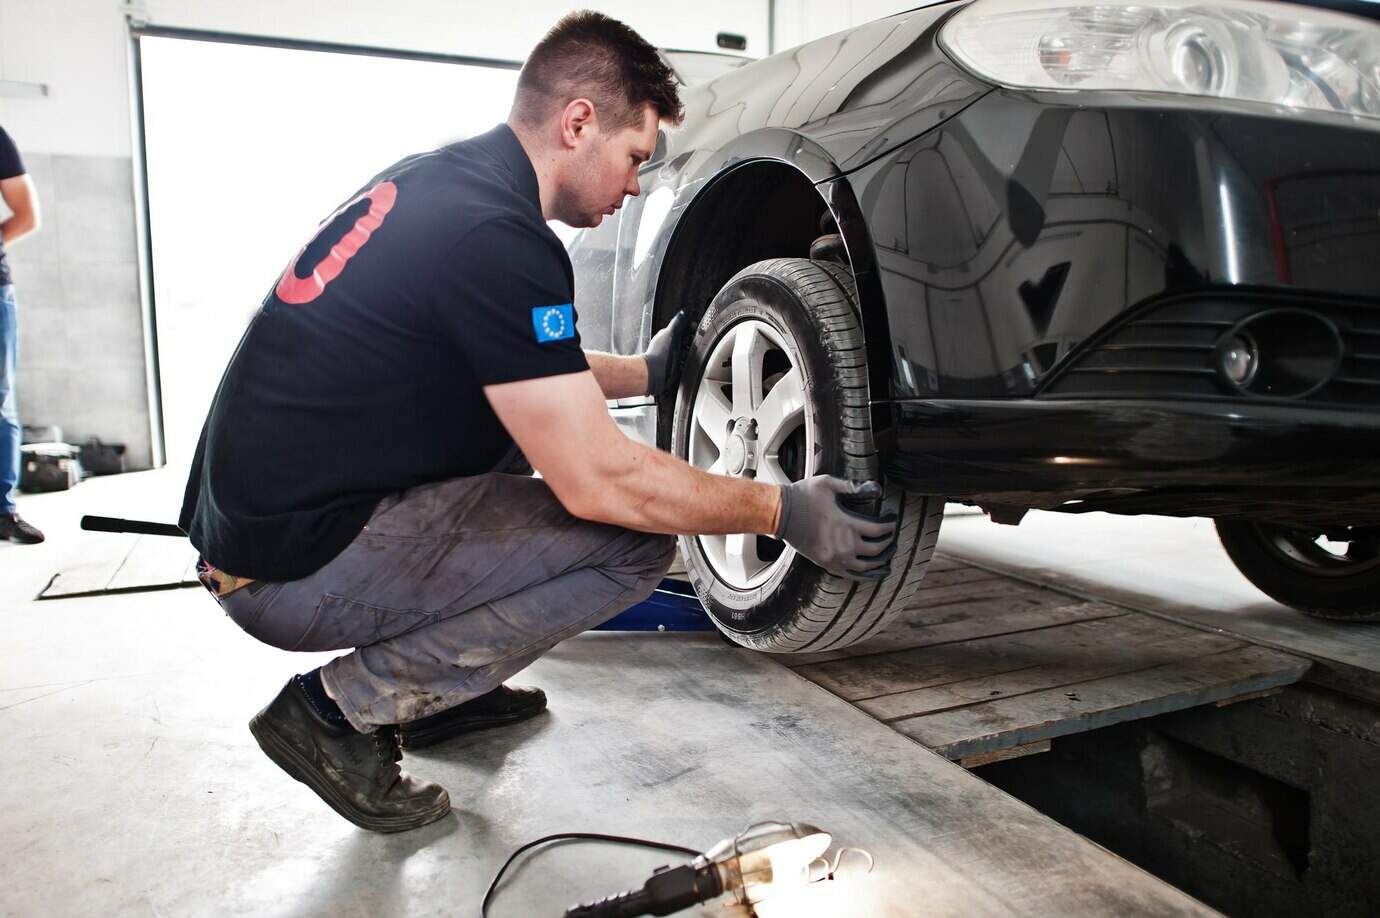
775, 390
1328, 574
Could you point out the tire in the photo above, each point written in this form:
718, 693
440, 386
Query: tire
801, 316
1290, 565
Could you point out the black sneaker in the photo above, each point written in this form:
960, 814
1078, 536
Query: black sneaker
498, 708
357, 774
16, 530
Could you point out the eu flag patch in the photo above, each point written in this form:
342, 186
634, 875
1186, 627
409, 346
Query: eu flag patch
553, 323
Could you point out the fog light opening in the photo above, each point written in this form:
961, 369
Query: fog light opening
1238, 358
1279, 353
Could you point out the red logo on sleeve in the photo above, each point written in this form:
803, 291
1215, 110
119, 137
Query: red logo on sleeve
298, 290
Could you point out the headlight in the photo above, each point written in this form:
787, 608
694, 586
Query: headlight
1278, 53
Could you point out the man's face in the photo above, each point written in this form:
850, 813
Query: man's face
603, 171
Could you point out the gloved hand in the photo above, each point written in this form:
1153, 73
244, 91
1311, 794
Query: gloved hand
845, 543
665, 352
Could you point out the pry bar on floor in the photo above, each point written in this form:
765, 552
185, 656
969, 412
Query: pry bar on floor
143, 527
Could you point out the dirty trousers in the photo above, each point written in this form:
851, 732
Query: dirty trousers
450, 589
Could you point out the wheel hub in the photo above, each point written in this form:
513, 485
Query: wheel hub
740, 450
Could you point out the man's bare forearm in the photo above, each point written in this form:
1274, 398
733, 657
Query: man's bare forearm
16, 228
618, 377
21, 199
651, 491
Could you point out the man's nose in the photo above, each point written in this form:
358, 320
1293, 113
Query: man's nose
633, 188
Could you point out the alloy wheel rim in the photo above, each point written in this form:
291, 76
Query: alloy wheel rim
750, 418
1343, 554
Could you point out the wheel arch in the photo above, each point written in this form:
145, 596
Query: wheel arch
762, 208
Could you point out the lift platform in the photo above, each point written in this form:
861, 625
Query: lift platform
986, 667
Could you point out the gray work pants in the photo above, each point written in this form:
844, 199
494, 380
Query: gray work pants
450, 589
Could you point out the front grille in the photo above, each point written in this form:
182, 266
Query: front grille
1167, 351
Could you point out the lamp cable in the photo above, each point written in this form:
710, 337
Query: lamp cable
577, 836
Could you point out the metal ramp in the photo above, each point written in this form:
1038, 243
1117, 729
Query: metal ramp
986, 667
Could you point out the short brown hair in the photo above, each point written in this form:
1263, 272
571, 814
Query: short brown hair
592, 56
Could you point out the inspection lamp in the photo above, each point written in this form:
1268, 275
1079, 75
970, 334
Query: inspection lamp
753, 865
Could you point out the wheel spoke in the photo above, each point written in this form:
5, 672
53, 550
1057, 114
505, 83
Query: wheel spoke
749, 347
778, 439
713, 414
714, 549
769, 471
781, 411
740, 557
1317, 553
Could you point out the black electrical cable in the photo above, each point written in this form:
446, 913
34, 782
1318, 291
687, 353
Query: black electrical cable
577, 836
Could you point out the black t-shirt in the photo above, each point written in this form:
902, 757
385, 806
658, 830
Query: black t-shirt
10, 166
361, 373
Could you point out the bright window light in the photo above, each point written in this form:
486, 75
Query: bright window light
248, 149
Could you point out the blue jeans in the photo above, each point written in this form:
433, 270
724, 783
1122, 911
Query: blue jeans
9, 406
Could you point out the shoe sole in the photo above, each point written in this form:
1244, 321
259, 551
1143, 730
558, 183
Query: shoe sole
422, 738
299, 768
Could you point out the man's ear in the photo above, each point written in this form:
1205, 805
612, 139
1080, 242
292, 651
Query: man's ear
577, 119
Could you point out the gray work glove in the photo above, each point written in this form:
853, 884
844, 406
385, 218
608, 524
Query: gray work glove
665, 353
846, 543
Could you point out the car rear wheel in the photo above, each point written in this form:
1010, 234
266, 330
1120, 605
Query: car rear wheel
775, 389
1328, 574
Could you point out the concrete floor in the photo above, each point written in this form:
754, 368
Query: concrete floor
140, 792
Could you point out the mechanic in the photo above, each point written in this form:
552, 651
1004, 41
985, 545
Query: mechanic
17, 191
350, 489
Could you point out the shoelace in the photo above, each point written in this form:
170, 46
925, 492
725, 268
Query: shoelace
390, 753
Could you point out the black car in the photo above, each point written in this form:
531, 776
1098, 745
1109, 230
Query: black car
1023, 254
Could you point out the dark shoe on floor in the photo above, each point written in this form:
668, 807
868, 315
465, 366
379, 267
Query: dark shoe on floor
502, 706
16, 530
357, 774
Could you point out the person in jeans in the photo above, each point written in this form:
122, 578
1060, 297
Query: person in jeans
352, 488
17, 191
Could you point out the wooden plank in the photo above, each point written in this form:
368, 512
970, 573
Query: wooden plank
126, 563
189, 577
1174, 568
153, 562
942, 562
1248, 696
1005, 755
1124, 643
927, 627
965, 574
1045, 660
986, 588
1007, 722
91, 574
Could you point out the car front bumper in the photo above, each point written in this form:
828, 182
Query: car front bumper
1025, 224
1186, 458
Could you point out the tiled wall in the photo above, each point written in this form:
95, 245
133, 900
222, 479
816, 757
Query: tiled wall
81, 346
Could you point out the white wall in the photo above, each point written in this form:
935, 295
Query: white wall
78, 48
81, 322
799, 21
488, 28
